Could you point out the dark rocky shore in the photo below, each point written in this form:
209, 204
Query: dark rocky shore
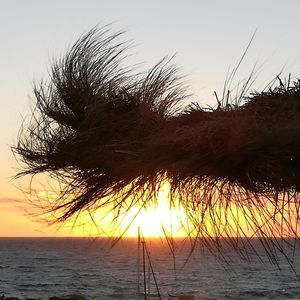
70, 297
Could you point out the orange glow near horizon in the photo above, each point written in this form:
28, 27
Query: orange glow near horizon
158, 219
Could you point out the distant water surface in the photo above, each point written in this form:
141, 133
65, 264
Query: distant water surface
44, 267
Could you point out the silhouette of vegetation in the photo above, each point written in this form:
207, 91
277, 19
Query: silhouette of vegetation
111, 135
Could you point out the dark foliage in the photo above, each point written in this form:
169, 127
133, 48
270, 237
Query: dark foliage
113, 136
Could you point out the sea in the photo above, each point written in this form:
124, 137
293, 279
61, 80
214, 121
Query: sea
101, 268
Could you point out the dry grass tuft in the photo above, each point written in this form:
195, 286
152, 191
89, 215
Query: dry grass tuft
112, 136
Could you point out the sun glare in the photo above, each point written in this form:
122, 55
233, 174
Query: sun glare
161, 218
155, 221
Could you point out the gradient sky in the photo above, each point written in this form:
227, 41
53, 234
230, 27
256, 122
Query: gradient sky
207, 37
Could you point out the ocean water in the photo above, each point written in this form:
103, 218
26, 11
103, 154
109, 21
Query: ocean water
44, 267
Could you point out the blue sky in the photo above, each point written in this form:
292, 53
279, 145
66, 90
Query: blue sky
207, 37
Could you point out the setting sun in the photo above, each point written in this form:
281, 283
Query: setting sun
158, 219
155, 221
162, 217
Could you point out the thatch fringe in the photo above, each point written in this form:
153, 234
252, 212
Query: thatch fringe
111, 135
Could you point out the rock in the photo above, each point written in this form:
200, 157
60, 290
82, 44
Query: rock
70, 297
14, 298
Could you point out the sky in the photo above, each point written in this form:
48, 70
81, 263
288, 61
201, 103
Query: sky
207, 38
